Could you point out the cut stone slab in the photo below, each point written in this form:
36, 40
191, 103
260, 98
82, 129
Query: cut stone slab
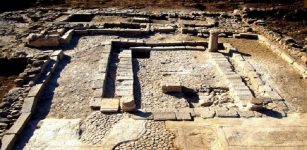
127, 103
35, 90
29, 105
19, 124
185, 116
227, 114
257, 101
187, 110
246, 114
170, 86
109, 105
163, 116
8, 141
141, 115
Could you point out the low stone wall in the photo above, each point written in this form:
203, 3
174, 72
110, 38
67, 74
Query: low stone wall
238, 90
100, 79
112, 31
295, 63
260, 87
49, 40
30, 102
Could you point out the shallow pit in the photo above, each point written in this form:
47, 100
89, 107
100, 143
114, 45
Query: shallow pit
81, 18
9, 71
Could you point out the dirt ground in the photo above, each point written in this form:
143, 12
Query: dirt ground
275, 71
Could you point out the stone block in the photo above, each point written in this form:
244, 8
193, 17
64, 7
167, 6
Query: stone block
95, 103
300, 67
121, 78
123, 92
140, 115
126, 83
109, 105
127, 103
141, 49
66, 38
256, 82
165, 29
264, 88
47, 41
207, 113
242, 93
29, 105
164, 116
287, 58
19, 124
246, 114
187, 110
58, 53
168, 86
254, 107
185, 116
36, 90
273, 95
227, 114
8, 141
257, 101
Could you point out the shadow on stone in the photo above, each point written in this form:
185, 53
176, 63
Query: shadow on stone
136, 83
271, 113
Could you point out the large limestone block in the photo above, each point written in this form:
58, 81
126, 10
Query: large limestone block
127, 103
47, 41
109, 105
171, 86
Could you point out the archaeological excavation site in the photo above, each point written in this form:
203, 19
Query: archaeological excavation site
153, 75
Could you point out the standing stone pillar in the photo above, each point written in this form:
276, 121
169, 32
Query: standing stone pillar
213, 41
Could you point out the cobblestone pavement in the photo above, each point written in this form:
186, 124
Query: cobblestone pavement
156, 136
96, 126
